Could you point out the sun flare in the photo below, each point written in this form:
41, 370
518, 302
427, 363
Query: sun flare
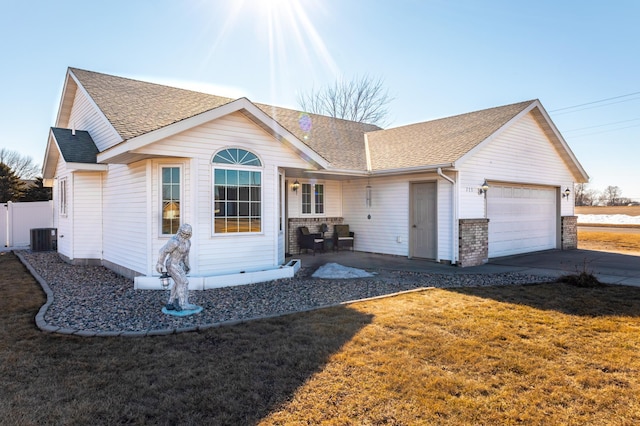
287, 30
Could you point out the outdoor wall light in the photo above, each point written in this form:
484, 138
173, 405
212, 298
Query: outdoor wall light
295, 185
483, 188
164, 280
566, 193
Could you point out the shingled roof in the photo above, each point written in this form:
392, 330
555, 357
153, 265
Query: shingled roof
435, 142
75, 146
339, 141
135, 108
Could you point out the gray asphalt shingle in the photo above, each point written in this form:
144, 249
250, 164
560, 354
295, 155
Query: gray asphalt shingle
78, 148
135, 107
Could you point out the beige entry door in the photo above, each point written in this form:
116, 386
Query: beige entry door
424, 241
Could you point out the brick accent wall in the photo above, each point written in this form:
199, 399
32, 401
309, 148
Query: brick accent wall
569, 232
313, 223
473, 244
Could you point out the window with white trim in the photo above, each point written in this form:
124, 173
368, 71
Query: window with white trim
237, 188
170, 198
62, 192
312, 198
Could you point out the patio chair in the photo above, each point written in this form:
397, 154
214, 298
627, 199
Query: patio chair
342, 237
309, 241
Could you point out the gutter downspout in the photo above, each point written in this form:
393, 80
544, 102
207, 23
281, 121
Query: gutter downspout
454, 216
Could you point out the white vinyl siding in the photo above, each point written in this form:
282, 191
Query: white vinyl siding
520, 154
87, 215
86, 116
211, 253
126, 216
387, 229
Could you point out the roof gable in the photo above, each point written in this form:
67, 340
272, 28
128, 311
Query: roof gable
437, 142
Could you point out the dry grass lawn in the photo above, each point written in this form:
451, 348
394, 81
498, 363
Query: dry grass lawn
540, 354
628, 210
545, 354
616, 241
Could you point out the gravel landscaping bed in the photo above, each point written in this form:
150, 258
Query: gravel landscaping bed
92, 300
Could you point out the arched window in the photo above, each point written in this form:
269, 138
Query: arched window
237, 188
237, 156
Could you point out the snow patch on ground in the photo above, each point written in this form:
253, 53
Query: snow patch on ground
335, 270
609, 219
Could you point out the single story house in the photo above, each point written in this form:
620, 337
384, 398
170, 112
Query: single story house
130, 160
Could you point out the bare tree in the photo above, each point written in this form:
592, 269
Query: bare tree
584, 195
611, 196
22, 165
363, 99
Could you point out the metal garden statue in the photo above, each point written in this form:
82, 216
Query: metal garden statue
174, 256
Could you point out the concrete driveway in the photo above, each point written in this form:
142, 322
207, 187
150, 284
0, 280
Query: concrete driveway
610, 268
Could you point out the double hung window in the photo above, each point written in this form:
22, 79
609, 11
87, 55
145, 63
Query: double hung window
171, 190
312, 198
237, 187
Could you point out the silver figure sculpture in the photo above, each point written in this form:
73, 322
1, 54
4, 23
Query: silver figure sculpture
174, 256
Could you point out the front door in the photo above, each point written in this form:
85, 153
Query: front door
424, 242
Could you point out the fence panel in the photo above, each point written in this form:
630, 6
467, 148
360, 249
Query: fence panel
4, 224
22, 217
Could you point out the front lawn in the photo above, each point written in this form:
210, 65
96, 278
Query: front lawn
539, 354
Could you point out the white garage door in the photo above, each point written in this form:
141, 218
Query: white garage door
521, 219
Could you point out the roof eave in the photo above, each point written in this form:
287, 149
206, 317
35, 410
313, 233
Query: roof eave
68, 91
51, 157
579, 172
413, 170
87, 167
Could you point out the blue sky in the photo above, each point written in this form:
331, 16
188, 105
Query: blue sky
436, 57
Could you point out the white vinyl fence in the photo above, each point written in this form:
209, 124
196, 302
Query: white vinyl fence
17, 220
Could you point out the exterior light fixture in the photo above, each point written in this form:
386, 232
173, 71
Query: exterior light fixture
295, 185
164, 280
483, 188
566, 193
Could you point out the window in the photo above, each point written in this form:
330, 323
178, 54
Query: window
170, 200
237, 187
63, 196
312, 198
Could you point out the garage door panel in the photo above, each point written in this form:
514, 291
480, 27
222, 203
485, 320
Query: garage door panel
521, 219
